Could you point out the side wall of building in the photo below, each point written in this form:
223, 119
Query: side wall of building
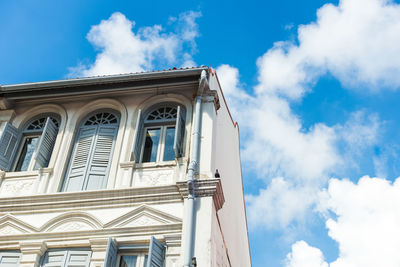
226, 154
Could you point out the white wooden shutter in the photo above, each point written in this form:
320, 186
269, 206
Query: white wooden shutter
111, 254
66, 258
54, 259
78, 258
179, 133
156, 256
8, 145
137, 145
79, 160
101, 157
9, 259
46, 143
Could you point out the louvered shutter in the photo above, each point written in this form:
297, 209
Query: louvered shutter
46, 143
54, 259
111, 254
101, 157
137, 145
9, 259
156, 256
8, 145
78, 258
79, 160
179, 133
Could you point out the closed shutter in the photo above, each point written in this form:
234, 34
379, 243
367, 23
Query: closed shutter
101, 156
179, 133
9, 259
78, 258
156, 256
8, 145
46, 143
111, 254
137, 145
66, 258
54, 259
79, 160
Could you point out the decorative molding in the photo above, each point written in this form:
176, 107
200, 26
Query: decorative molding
9, 225
72, 221
16, 187
63, 201
143, 216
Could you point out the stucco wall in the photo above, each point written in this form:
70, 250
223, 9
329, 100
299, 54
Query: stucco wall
232, 216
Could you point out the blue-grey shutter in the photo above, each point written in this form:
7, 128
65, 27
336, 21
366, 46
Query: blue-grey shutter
111, 254
46, 143
78, 258
179, 133
80, 157
54, 259
156, 256
8, 145
101, 157
9, 259
137, 145
66, 258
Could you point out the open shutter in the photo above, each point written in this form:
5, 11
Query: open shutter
8, 146
111, 255
137, 145
101, 157
156, 256
78, 258
9, 259
80, 158
179, 133
54, 259
46, 143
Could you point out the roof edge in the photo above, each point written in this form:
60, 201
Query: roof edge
100, 79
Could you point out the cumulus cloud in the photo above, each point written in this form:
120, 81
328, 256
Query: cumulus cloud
280, 203
303, 255
295, 162
358, 42
121, 50
365, 225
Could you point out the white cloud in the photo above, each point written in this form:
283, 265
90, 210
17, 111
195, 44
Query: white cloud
365, 226
358, 42
279, 204
121, 50
303, 255
295, 162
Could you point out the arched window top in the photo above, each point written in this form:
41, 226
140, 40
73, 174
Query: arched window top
162, 113
37, 124
102, 118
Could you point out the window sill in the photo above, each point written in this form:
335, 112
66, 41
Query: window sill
148, 165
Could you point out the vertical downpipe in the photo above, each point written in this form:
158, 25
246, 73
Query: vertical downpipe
193, 167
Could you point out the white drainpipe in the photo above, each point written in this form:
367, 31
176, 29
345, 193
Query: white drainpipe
193, 167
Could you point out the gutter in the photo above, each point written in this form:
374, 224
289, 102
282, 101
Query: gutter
192, 169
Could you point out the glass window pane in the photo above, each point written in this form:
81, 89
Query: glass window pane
145, 260
128, 261
26, 153
169, 153
150, 145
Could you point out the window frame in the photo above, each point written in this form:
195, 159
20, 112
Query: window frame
144, 124
142, 257
32, 161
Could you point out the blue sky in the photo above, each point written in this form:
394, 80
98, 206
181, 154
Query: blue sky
319, 82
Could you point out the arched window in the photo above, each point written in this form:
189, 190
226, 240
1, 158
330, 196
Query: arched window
91, 155
160, 134
31, 147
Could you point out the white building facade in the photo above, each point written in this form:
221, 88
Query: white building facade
120, 171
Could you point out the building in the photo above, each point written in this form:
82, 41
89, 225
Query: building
121, 170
